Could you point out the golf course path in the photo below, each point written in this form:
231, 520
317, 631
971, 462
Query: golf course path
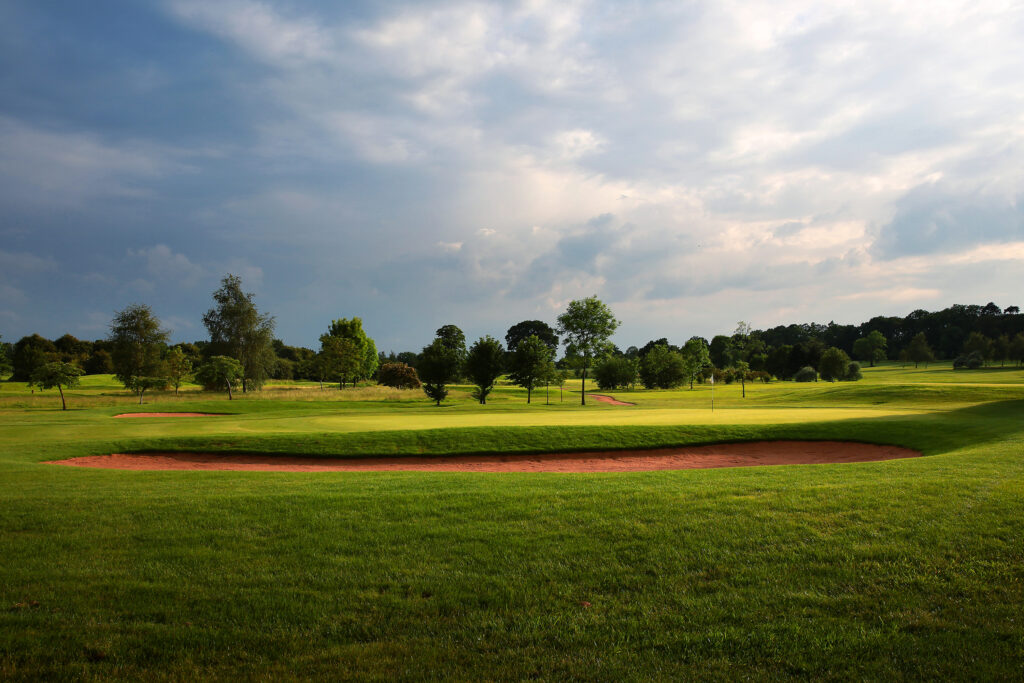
690, 457
610, 400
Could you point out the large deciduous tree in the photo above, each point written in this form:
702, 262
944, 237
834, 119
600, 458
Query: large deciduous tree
439, 364
352, 329
585, 327
341, 358
531, 328
237, 329
695, 358
871, 347
30, 353
137, 343
531, 363
662, 368
834, 365
484, 364
56, 374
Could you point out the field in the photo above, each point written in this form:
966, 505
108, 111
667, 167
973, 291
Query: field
901, 569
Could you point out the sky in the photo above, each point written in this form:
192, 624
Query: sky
693, 164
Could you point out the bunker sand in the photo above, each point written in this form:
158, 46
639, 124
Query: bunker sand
692, 457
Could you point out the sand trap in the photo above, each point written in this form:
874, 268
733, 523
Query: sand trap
693, 457
170, 415
610, 400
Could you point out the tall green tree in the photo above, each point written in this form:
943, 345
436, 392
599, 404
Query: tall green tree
662, 368
438, 366
871, 347
531, 363
137, 343
342, 358
179, 367
834, 365
612, 372
455, 341
484, 364
531, 328
585, 327
5, 358
30, 353
980, 344
237, 329
919, 351
695, 358
56, 374
352, 329
1017, 349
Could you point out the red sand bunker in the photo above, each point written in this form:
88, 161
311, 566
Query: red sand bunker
693, 457
611, 400
169, 415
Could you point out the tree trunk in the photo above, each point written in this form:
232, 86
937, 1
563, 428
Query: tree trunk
141, 392
63, 405
527, 394
229, 388
743, 385
583, 388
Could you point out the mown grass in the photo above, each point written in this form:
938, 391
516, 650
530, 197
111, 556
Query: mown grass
901, 569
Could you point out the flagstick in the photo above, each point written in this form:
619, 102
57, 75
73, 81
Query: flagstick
712, 393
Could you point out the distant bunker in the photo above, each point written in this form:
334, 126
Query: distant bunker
752, 454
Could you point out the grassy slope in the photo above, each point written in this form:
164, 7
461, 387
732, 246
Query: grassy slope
899, 569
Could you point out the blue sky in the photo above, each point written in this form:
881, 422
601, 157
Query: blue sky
417, 164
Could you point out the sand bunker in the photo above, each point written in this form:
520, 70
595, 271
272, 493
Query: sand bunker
692, 457
170, 415
610, 400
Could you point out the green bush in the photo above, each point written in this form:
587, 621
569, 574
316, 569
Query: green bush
806, 374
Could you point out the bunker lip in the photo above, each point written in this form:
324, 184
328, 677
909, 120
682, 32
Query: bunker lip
690, 457
171, 414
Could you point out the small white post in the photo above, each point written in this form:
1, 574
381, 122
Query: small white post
712, 392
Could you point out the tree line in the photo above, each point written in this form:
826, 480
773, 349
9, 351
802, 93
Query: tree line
242, 352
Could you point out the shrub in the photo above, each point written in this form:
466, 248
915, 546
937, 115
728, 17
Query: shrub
398, 375
761, 375
853, 372
834, 364
971, 361
806, 374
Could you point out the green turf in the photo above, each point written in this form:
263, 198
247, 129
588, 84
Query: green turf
901, 569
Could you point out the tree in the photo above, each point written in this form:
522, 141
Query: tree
341, 358
918, 350
222, 371
979, 343
1017, 348
484, 364
56, 374
5, 358
179, 367
662, 368
455, 341
834, 364
853, 372
365, 348
871, 347
1001, 349
723, 352
612, 372
30, 353
743, 374
531, 328
695, 358
239, 330
585, 327
531, 363
137, 342
398, 375
439, 364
